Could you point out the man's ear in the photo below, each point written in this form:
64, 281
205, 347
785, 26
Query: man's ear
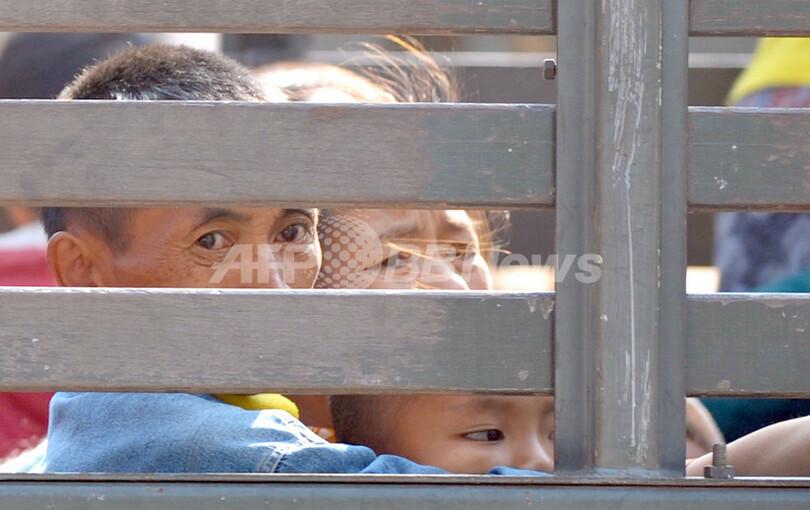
74, 261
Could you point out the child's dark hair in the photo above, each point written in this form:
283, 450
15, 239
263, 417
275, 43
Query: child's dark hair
155, 72
365, 419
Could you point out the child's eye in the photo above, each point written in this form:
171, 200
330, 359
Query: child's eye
294, 233
485, 435
213, 241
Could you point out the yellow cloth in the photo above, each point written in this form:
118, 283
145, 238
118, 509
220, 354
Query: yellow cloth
262, 401
778, 62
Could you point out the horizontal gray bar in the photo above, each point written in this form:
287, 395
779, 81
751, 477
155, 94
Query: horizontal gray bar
749, 17
97, 153
366, 341
82, 153
750, 158
404, 492
290, 16
749, 344
294, 341
537, 17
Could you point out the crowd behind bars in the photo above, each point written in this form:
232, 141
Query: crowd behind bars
343, 248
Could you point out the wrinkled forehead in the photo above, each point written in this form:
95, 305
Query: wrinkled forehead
145, 222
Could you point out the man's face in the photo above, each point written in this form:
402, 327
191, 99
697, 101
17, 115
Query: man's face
401, 249
222, 247
473, 434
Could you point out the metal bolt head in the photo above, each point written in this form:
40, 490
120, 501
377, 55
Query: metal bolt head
719, 468
549, 69
719, 472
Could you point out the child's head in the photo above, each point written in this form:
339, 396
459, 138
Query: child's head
175, 247
462, 434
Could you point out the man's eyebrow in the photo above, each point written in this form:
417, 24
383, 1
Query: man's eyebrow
209, 215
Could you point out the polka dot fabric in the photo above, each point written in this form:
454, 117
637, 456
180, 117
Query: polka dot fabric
351, 253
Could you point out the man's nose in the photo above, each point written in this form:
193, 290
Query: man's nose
273, 263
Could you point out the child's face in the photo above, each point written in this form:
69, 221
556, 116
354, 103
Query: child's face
402, 249
473, 434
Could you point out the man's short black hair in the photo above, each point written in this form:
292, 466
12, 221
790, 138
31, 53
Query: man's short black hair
157, 72
161, 72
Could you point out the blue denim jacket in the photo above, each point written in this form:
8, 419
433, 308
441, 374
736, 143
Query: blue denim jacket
184, 433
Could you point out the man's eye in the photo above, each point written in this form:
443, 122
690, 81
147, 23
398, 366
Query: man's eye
485, 435
293, 233
213, 241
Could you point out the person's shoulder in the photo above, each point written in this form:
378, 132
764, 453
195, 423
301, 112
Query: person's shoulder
114, 402
165, 433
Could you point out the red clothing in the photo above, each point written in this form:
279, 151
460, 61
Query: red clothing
23, 421
23, 416
25, 268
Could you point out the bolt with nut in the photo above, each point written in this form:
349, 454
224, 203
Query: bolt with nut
720, 468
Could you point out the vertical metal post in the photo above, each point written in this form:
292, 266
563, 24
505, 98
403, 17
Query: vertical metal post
621, 194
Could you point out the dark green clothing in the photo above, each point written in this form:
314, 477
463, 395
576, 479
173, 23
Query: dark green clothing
797, 283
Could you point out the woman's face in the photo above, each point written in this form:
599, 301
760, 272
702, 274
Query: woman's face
401, 249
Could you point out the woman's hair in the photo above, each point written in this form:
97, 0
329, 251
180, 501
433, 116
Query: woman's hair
413, 78
321, 83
